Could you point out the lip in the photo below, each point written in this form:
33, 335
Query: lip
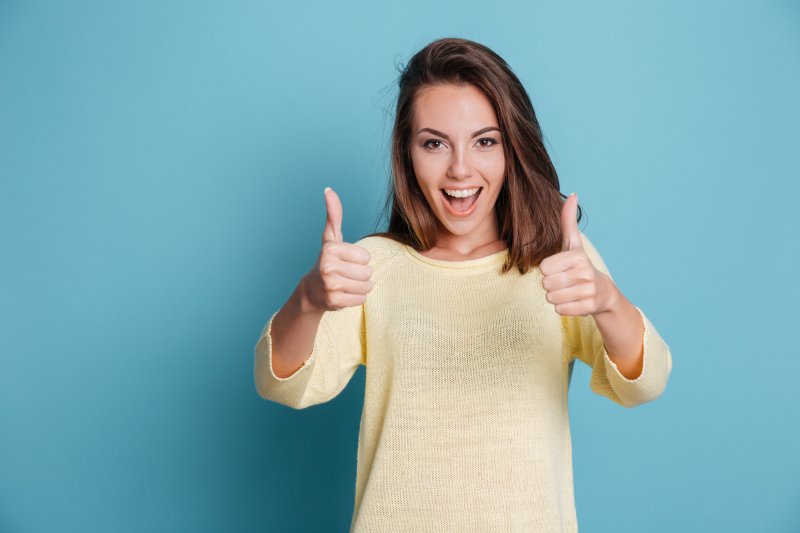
461, 214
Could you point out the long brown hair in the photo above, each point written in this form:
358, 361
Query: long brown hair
528, 208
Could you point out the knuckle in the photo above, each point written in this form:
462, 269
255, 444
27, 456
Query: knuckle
336, 302
365, 254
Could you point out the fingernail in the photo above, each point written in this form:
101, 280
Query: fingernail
326, 189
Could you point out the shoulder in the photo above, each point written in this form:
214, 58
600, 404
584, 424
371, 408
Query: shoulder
380, 245
383, 252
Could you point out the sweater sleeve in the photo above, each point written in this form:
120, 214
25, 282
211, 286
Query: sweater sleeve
339, 348
584, 341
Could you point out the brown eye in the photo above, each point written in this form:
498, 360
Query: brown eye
427, 143
492, 142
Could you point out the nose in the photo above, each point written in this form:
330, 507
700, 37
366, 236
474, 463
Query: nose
459, 165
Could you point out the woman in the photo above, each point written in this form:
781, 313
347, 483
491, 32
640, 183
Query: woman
468, 314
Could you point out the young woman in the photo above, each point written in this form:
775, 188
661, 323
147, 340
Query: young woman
468, 314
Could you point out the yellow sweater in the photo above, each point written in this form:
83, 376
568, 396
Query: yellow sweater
465, 424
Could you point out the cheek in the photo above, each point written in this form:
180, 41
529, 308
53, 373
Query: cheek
494, 173
426, 170
497, 167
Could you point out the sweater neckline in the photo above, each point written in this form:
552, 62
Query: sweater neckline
491, 259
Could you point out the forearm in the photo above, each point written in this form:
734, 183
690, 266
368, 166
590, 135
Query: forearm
622, 329
294, 329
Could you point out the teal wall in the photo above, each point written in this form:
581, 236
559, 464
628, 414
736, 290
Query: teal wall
161, 175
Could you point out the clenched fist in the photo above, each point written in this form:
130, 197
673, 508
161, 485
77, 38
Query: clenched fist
341, 276
572, 283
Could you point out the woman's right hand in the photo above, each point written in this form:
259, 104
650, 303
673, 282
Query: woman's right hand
341, 276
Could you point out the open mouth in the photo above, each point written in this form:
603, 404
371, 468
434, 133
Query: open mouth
462, 205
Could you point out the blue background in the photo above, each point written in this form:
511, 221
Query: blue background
162, 169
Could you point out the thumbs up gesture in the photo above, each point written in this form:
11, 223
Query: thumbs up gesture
341, 276
572, 283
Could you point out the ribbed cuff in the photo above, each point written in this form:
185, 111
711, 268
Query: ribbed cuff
656, 367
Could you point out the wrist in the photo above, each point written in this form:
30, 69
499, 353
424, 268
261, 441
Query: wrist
611, 296
302, 300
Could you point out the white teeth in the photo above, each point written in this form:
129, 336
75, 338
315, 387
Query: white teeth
462, 193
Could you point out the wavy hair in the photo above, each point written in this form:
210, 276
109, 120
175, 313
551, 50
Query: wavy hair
528, 207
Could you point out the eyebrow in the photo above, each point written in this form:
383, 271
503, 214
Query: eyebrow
440, 134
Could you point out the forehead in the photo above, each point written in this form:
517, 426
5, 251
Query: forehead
452, 107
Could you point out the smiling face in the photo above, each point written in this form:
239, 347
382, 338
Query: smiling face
456, 146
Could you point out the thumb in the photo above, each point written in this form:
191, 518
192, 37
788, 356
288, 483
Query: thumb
571, 237
333, 223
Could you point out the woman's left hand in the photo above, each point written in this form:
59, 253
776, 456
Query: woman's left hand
572, 282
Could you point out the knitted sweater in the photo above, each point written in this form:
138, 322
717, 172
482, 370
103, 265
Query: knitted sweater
465, 423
